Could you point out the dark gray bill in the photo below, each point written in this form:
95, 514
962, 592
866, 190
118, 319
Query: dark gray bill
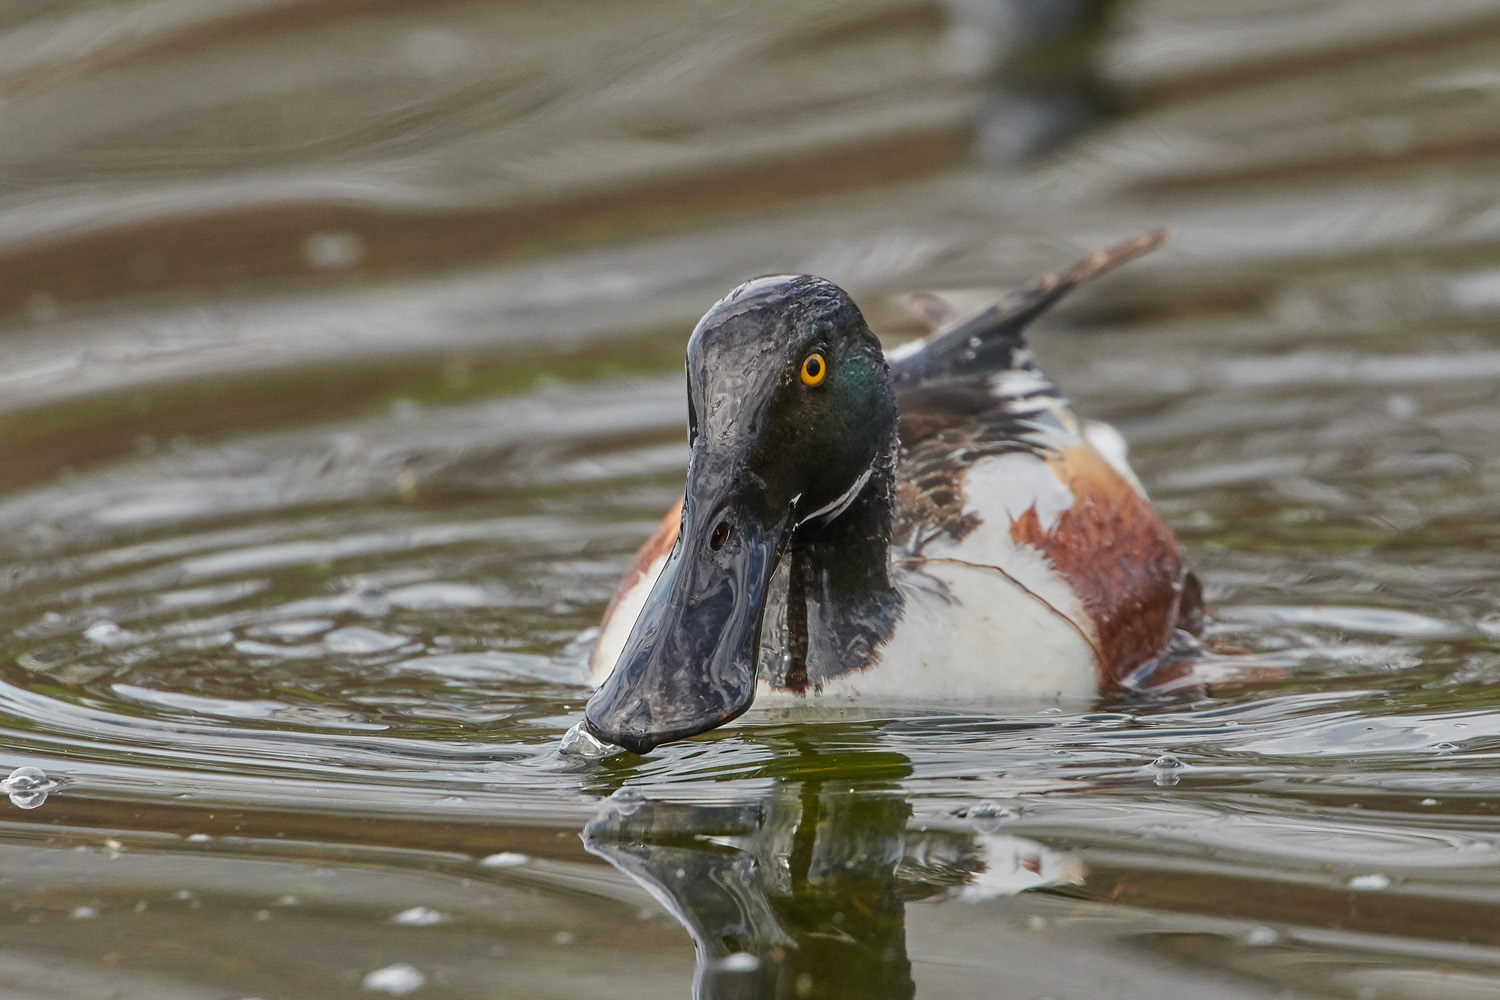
689, 664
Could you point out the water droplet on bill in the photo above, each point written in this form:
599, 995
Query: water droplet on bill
579, 742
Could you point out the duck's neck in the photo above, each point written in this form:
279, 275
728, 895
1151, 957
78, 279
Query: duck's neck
840, 602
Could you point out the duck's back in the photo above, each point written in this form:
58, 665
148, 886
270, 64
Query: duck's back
1028, 556
1029, 560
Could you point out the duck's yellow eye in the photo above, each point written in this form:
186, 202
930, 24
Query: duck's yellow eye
814, 369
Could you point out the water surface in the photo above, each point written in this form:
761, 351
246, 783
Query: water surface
342, 378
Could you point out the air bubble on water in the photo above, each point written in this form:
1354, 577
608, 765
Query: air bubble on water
106, 633
406, 410
1054, 710
420, 916
287, 900
988, 815
332, 249
198, 838
369, 599
740, 961
1402, 407
1443, 749
397, 980
28, 787
625, 800
182, 894
296, 628
579, 742
435, 52
84, 913
1369, 883
356, 640
1259, 936
1428, 802
504, 859
563, 937
1036, 922
1166, 770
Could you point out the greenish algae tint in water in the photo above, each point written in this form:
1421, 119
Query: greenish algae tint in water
340, 376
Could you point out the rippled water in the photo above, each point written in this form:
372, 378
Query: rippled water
336, 399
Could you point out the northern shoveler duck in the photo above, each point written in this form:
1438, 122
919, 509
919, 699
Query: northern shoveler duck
935, 521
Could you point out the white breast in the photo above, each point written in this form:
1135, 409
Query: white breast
984, 637
983, 615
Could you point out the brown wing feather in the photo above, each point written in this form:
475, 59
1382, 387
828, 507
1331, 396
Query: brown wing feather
1118, 556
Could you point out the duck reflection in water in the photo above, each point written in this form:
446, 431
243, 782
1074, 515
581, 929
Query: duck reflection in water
803, 893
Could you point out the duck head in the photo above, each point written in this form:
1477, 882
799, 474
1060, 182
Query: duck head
790, 412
